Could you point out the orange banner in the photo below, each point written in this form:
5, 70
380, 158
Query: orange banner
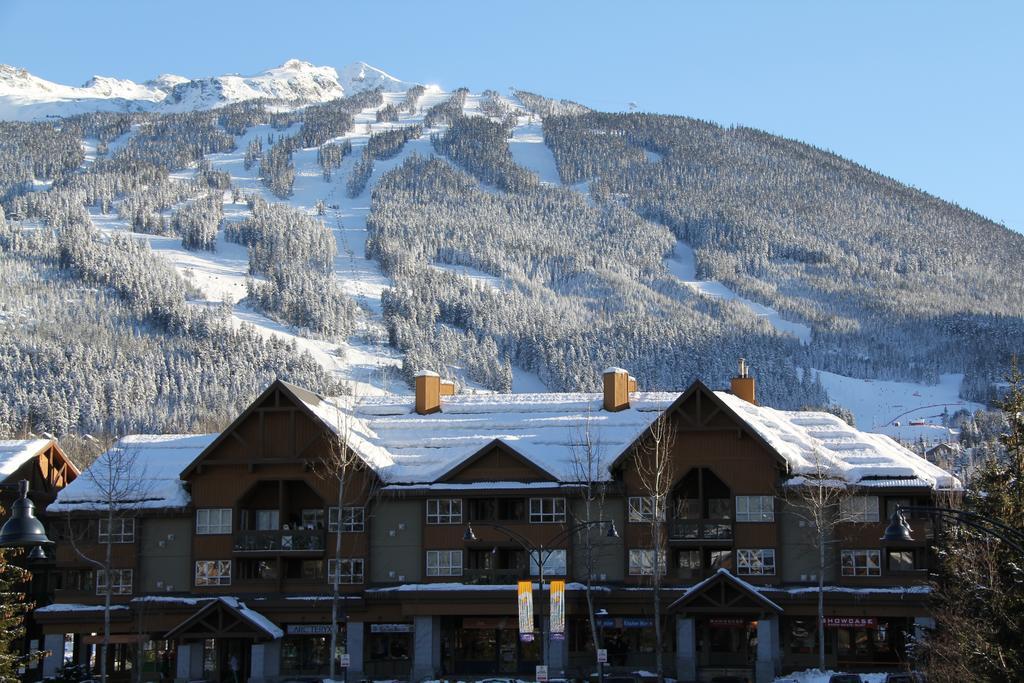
526, 607
557, 607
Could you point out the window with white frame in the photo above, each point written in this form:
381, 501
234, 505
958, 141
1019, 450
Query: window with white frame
755, 562
641, 562
755, 509
313, 518
353, 520
859, 509
547, 510
867, 562
348, 570
213, 521
120, 581
641, 509
444, 511
554, 563
117, 530
213, 572
444, 563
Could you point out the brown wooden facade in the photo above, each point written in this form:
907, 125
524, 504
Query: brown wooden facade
407, 615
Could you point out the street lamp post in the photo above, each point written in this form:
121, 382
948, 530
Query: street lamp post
542, 552
899, 531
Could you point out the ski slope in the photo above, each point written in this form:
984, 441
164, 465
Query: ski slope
367, 364
682, 264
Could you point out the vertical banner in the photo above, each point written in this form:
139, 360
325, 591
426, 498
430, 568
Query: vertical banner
558, 609
526, 609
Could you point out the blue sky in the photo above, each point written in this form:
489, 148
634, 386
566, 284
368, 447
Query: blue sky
927, 92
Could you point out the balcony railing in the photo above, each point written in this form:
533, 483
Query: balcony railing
701, 529
283, 541
492, 577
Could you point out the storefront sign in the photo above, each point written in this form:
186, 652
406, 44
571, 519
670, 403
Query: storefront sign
526, 608
390, 628
346, 661
557, 609
542, 673
637, 622
486, 623
851, 622
308, 629
728, 622
602, 656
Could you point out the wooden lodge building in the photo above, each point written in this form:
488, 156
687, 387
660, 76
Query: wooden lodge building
224, 544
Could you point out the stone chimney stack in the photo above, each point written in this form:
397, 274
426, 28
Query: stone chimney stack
616, 389
742, 384
428, 392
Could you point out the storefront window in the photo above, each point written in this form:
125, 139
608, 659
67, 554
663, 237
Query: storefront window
305, 654
384, 646
158, 657
803, 637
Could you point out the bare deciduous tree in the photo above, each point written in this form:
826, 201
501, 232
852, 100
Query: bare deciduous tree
656, 473
117, 486
816, 499
589, 470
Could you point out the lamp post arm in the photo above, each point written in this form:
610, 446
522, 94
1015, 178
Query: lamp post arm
1009, 535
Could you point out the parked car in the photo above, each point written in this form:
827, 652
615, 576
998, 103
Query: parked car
845, 678
906, 677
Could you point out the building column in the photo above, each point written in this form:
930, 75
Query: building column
266, 661
190, 661
426, 659
54, 642
686, 649
557, 654
354, 648
768, 664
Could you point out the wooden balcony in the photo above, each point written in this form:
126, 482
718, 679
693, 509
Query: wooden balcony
297, 542
703, 530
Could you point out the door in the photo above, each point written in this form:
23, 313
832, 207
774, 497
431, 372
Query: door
508, 647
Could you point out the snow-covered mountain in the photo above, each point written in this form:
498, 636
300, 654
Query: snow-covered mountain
25, 97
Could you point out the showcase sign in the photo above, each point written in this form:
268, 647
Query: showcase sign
390, 628
308, 629
526, 609
851, 622
557, 609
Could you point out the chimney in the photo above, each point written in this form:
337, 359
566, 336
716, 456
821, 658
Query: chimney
632, 384
428, 392
742, 385
447, 387
616, 389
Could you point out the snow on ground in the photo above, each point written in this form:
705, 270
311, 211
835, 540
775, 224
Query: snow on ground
472, 274
879, 404
683, 265
818, 676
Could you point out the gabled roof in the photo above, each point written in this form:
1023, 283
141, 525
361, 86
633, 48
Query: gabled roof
723, 592
156, 461
503, 448
225, 617
709, 411
16, 452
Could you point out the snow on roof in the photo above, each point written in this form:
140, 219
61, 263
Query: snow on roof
74, 607
155, 462
549, 430
756, 590
820, 443
16, 452
253, 616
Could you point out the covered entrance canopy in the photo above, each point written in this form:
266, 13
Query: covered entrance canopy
225, 617
723, 593
726, 628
